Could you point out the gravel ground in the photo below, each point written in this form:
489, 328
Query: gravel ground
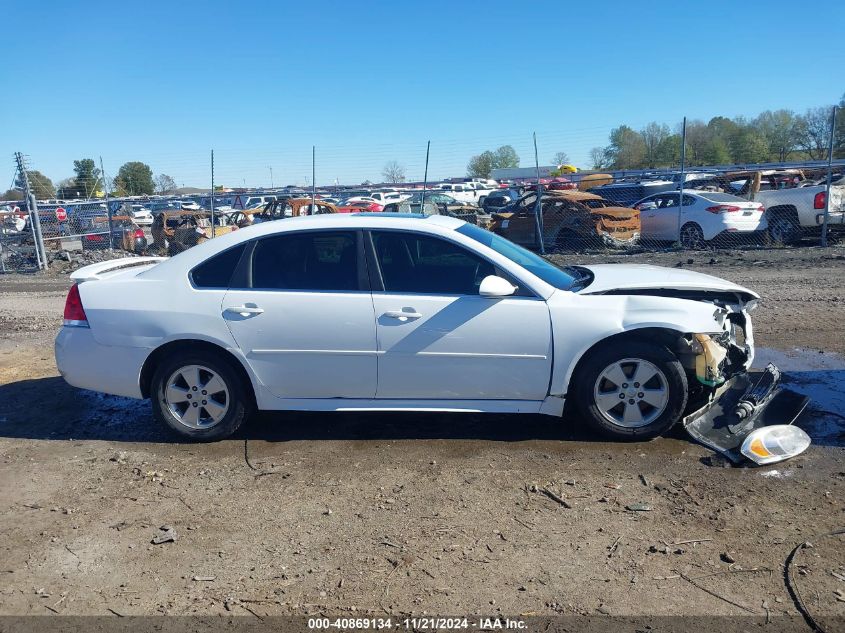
386, 513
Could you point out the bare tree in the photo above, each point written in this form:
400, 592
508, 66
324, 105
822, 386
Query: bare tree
561, 158
393, 172
814, 132
164, 183
598, 157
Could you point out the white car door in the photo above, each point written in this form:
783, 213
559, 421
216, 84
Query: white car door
305, 323
439, 339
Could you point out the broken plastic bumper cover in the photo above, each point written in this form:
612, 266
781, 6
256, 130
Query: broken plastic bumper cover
742, 405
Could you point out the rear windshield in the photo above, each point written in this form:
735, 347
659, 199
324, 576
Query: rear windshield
531, 262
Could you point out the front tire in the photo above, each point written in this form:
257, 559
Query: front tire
631, 390
199, 396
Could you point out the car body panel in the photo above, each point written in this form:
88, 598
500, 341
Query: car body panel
461, 347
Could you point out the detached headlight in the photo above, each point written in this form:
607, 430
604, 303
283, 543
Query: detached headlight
775, 443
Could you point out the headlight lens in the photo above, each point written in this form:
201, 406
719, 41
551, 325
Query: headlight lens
775, 443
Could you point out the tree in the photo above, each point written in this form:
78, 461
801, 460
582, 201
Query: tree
42, 187
66, 188
598, 157
164, 184
561, 158
481, 166
135, 178
653, 135
627, 149
12, 194
748, 146
839, 138
87, 176
698, 136
505, 157
814, 132
780, 129
393, 172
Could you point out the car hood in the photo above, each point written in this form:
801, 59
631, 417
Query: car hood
642, 279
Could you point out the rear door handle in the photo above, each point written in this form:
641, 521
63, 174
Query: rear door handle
244, 310
399, 314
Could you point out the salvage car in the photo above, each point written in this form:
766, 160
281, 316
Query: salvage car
427, 306
703, 217
292, 207
126, 234
571, 219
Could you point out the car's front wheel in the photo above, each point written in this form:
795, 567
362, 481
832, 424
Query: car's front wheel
199, 396
632, 390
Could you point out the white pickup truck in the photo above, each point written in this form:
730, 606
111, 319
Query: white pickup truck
467, 192
794, 212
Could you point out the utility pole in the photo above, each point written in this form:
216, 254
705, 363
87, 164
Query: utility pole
270, 167
313, 177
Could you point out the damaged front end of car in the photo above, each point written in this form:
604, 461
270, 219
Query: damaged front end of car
739, 413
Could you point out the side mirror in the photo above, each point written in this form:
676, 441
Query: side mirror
493, 286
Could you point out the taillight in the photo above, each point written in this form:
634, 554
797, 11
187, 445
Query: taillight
138, 233
74, 312
819, 200
723, 208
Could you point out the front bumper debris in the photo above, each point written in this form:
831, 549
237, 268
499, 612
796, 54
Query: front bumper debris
742, 404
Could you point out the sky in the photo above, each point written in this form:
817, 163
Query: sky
365, 83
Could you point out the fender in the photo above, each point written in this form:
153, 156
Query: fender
606, 315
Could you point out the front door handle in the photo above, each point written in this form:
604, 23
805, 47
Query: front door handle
245, 311
399, 314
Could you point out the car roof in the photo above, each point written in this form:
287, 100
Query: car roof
571, 194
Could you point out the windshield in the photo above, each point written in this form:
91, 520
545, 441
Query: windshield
533, 263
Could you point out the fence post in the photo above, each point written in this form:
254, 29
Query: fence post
425, 178
538, 205
108, 206
683, 174
829, 176
34, 219
213, 231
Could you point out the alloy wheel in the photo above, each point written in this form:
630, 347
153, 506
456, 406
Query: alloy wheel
196, 397
631, 392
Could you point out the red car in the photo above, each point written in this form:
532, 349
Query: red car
360, 207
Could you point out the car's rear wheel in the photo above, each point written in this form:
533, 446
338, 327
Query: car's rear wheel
783, 229
692, 237
199, 396
632, 390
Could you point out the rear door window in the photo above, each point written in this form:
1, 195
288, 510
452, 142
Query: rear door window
317, 260
216, 271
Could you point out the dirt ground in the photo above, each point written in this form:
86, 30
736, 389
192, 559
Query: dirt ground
384, 513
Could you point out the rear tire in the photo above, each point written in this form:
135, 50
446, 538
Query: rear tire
199, 396
783, 229
692, 237
630, 390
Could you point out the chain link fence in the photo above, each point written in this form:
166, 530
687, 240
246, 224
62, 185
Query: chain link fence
547, 209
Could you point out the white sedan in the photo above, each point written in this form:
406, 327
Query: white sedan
399, 313
704, 216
